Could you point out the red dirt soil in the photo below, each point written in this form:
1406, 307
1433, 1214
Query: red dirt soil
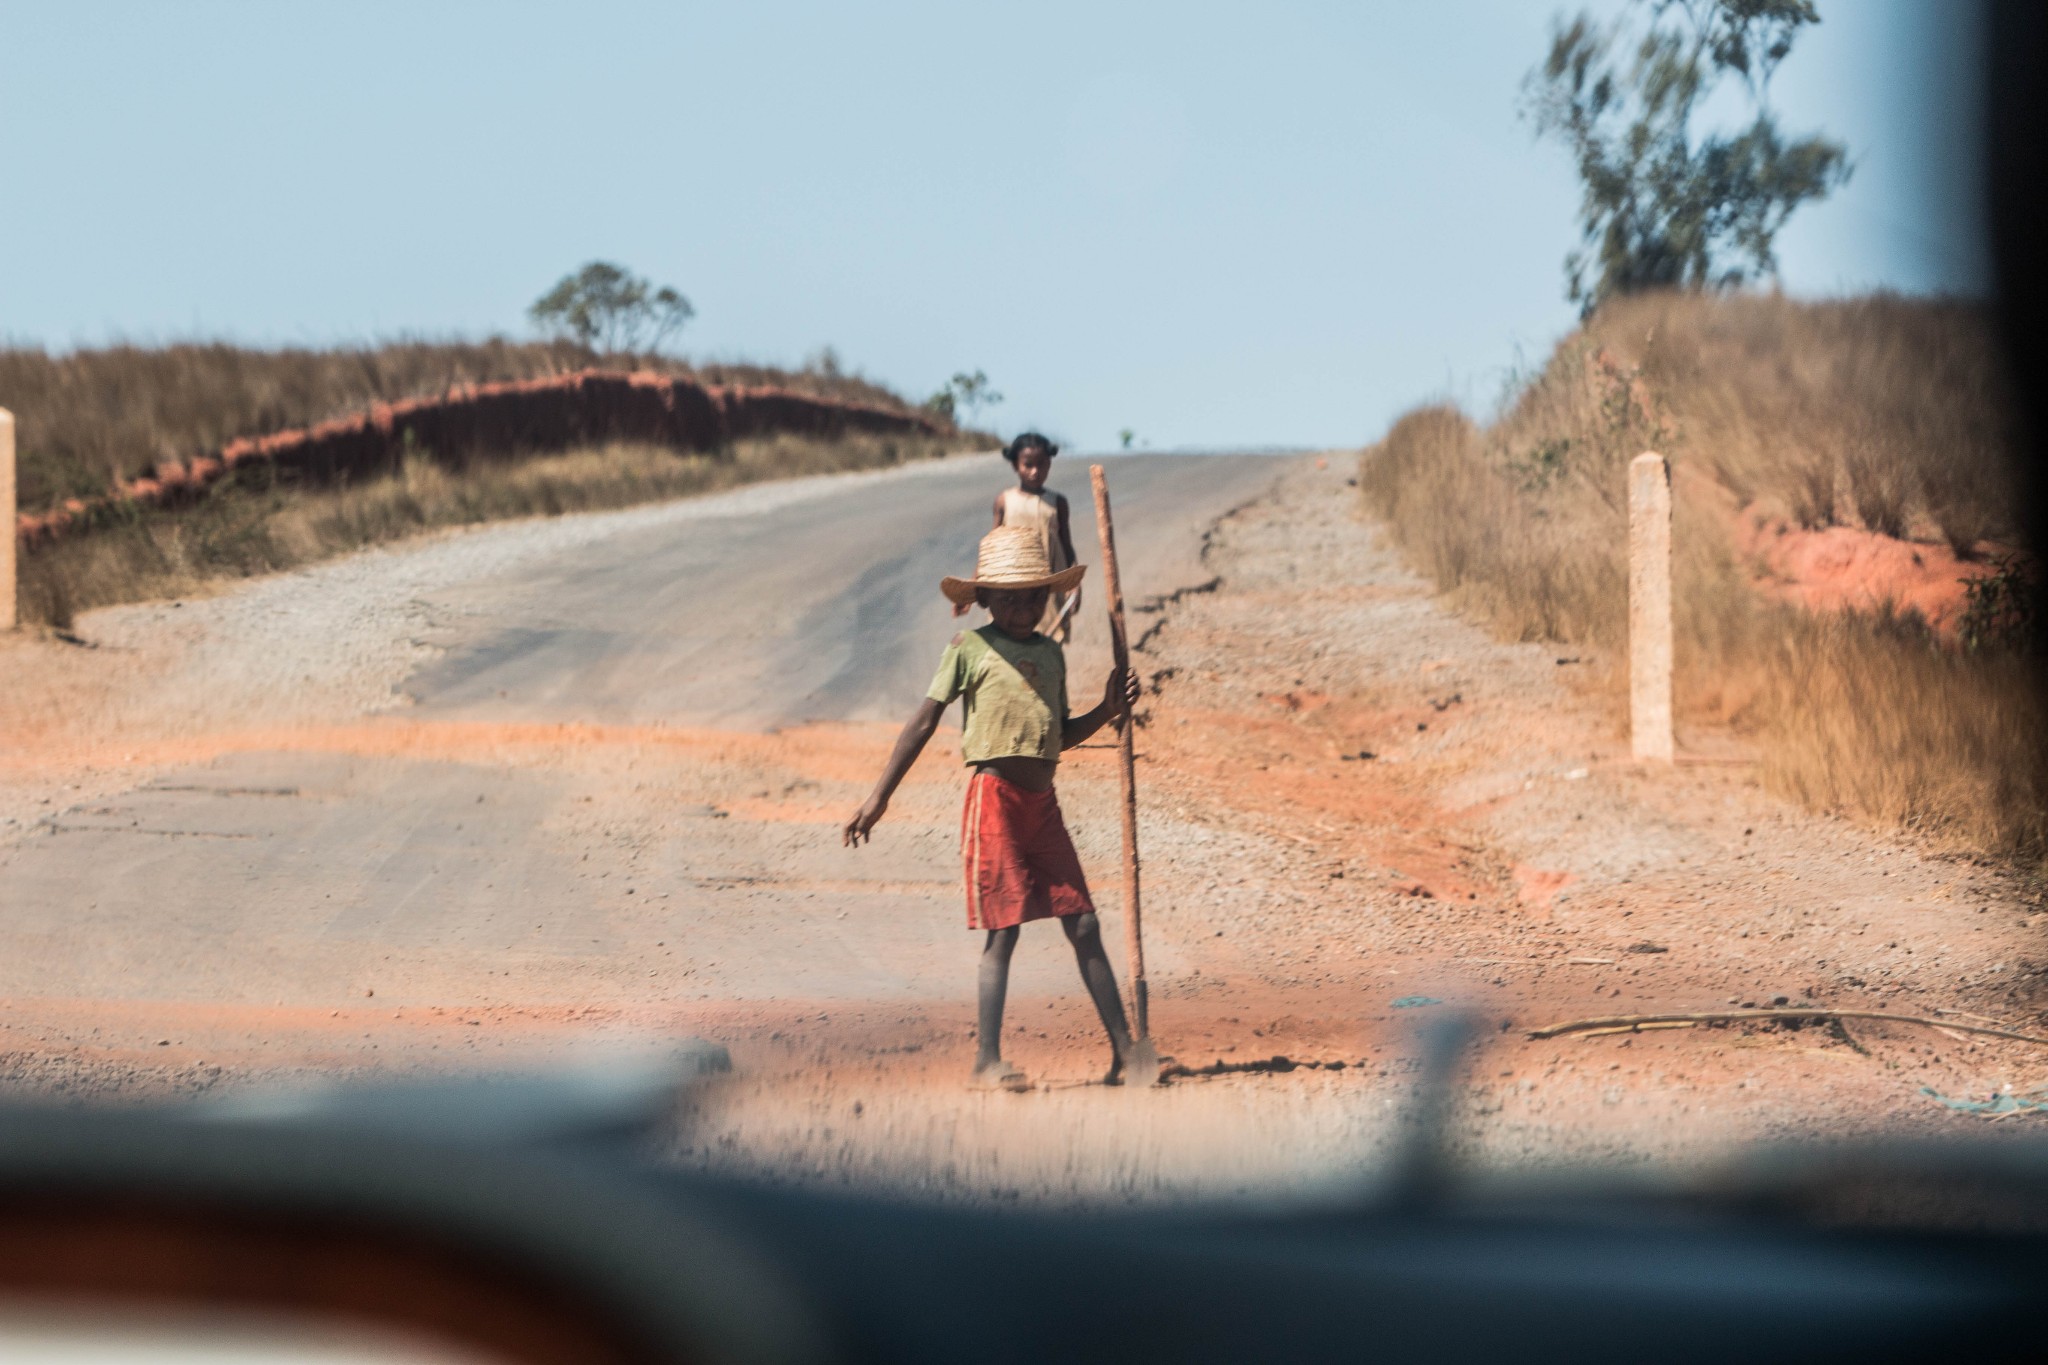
514, 416
1846, 568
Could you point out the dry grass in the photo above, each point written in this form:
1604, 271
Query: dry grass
1862, 715
1883, 412
244, 526
89, 417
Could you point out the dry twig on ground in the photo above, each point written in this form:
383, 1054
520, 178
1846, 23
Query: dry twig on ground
1630, 1023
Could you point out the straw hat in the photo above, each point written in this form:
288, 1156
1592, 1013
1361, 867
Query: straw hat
1012, 558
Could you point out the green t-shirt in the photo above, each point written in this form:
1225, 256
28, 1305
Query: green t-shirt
1016, 693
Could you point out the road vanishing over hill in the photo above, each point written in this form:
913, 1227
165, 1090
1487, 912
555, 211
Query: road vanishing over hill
464, 851
823, 609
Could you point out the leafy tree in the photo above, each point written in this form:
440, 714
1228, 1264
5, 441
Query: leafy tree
607, 307
1663, 208
964, 395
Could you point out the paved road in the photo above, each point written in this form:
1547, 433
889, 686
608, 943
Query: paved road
308, 876
825, 610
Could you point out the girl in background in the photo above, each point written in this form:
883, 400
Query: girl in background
1045, 514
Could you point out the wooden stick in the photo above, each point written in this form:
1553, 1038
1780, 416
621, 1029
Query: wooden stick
1120, 650
1631, 1021
1635, 1028
7, 531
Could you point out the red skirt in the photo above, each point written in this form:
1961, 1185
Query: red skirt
1020, 864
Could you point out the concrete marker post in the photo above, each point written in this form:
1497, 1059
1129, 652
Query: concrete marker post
10, 532
1649, 608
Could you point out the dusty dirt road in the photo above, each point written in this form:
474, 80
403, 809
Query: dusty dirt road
1358, 811
448, 774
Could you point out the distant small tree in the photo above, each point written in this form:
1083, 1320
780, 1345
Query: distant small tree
1662, 208
964, 395
1126, 436
610, 309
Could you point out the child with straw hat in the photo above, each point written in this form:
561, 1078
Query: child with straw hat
1020, 863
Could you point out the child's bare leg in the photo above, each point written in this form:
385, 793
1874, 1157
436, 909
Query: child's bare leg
994, 982
1085, 933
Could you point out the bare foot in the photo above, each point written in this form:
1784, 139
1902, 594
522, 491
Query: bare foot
998, 1075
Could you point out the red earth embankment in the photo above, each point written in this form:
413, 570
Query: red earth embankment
1847, 568
1883, 427
488, 421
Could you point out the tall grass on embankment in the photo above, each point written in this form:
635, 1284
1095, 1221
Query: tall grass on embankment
1880, 412
248, 523
90, 418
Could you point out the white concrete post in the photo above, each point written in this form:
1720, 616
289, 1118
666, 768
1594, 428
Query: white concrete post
1649, 607
8, 533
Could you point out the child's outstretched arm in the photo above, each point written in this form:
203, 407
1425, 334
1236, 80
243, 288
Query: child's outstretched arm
1119, 694
916, 731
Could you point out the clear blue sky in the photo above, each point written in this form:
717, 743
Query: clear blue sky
1211, 223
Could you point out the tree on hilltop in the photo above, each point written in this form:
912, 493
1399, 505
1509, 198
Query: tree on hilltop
1661, 208
964, 396
610, 309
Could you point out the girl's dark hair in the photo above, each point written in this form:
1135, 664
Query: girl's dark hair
1030, 440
